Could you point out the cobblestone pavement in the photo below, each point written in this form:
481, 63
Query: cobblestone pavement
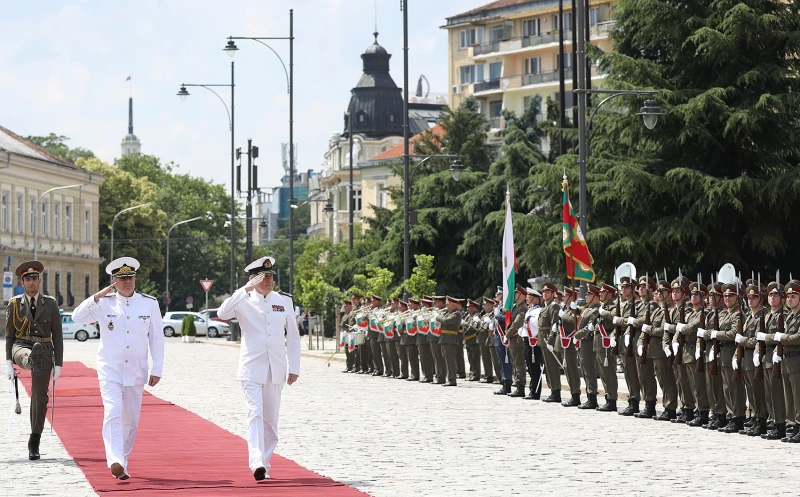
395, 438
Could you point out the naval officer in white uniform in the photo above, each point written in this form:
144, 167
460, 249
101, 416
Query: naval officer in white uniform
269, 336
130, 325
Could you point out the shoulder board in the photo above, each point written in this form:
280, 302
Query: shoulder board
48, 297
17, 296
148, 296
285, 294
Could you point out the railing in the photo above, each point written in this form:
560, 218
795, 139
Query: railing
492, 84
545, 77
551, 37
492, 46
494, 122
599, 29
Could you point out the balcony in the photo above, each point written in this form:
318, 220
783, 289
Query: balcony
492, 84
518, 44
551, 37
495, 122
485, 48
543, 77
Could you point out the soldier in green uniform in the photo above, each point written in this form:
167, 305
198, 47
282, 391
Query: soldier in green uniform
409, 339
645, 372
586, 352
461, 366
657, 363
423, 341
604, 344
376, 338
714, 389
754, 386
491, 366
695, 318
516, 345
402, 337
670, 341
565, 345
364, 352
790, 360
434, 339
393, 336
472, 326
344, 331
34, 341
629, 367
548, 318
450, 321
774, 386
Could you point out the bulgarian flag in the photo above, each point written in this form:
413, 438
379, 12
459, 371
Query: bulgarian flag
579, 260
509, 267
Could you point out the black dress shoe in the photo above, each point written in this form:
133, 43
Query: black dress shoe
449, 384
33, 444
472, 378
461, 376
633, 408
700, 420
574, 401
487, 380
609, 406
260, 473
376, 373
402, 377
37, 358
412, 379
794, 439
554, 396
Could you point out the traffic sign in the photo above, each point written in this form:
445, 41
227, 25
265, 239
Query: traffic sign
166, 300
206, 284
189, 299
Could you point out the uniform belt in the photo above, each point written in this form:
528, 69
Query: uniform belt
727, 344
449, 332
791, 354
36, 339
470, 337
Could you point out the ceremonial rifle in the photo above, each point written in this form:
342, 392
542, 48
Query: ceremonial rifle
737, 373
776, 366
761, 346
646, 336
678, 360
618, 328
712, 366
701, 342
629, 330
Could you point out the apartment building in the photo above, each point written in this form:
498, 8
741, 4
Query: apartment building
506, 52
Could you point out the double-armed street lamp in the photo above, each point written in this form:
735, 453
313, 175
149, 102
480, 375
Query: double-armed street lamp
115, 220
231, 49
37, 213
166, 293
183, 93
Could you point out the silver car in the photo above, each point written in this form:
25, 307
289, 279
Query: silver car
80, 332
174, 320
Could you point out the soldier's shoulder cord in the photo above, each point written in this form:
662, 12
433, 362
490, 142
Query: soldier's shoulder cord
148, 296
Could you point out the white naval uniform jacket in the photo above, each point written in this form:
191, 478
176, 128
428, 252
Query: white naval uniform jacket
269, 334
128, 327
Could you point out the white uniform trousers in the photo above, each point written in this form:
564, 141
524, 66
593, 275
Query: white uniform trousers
121, 409
263, 406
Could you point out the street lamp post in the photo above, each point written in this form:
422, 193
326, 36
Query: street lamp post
115, 220
37, 213
231, 121
166, 293
231, 49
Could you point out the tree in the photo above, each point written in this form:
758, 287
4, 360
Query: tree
377, 281
56, 144
420, 283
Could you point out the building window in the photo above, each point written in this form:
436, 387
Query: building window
391, 118
469, 37
44, 229
5, 215
356, 200
531, 27
70, 297
20, 213
567, 60
45, 281
68, 221
380, 194
567, 21
594, 16
33, 215
57, 219
471, 74
495, 70
87, 225
495, 108
361, 117
533, 65
496, 33
88, 286
59, 299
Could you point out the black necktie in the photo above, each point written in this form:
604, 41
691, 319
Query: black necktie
33, 308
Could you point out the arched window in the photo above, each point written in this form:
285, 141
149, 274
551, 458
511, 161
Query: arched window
391, 118
361, 117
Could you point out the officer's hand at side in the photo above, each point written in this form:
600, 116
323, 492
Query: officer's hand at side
251, 283
154, 380
10, 369
102, 293
56, 372
292, 379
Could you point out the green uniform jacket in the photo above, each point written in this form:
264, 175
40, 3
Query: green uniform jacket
772, 328
451, 322
547, 318
472, 328
693, 320
791, 343
728, 324
568, 322
751, 327
656, 348
484, 337
588, 315
45, 324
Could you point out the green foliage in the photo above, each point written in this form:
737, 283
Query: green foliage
421, 282
188, 327
377, 281
56, 144
316, 292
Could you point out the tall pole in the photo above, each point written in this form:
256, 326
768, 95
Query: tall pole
291, 149
562, 98
575, 14
113, 221
233, 193
581, 80
350, 196
249, 207
406, 179
588, 62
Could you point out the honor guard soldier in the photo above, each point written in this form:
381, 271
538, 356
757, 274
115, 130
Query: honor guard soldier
471, 333
587, 354
501, 348
714, 388
403, 338
411, 336
434, 338
450, 321
695, 318
270, 351
130, 327
774, 386
393, 336
516, 343
566, 344
534, 361
629, 367
33, 339
426, 362
548, 318
491, 366
344, 331
605, 346
375, 337
789, 361
755, 386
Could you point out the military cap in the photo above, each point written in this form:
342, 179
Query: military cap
793, 287
625, 281
593, 289
559, 294
357, 295
427, 297
549, 286
264, 265
124, 267
413, 301
454, 300
695, 287
531, 291
680, 283
605, 287
520, 289
403, 304
426, 302
488, 300
472, 303
347, 302
664, 285
752, 290
729, 289
29, 269
645, 280
775, 287
568, 291
715, 288
438, 297
376, 297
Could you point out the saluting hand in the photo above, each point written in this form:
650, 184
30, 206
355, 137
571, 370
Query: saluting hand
252, 283
102, 293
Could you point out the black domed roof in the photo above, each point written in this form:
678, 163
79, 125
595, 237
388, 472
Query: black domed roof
375, 48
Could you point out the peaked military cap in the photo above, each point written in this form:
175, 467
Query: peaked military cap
472, 303
715, 288
608, 288
123, 267
29, 268
413, 301
680, 283
729, 289
264, 265
752, 290
625, 281
645, 280
547, 285
774, 287
488, 300
793, 287
696, 287
594, 290
531, 291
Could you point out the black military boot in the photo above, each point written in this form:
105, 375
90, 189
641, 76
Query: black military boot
759, 428
682, 418
718, 422
749, 422
690, 415
734, 425
519, 391
668, 415
505, 389
633, 408
700, 420
591, 402
776, 434
33, 444
609, 406
37, 359
555, 396
794, 439
574, 401
532, 395
649, 410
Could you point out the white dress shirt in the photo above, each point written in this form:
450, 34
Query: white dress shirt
269, 335
129, 326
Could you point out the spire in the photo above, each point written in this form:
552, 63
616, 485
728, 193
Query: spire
130, 115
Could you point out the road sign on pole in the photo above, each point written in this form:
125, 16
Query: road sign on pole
206, 284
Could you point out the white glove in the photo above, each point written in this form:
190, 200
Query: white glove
10, 369
620, 321
646, 328
590, 326
575, 340
613, 343
776, 358
56, 372
711, 356
735, 363
549, 347
573, 305
561, 313
714, 334
679, 327
777, 336
667, 351
630, 321
627, 340
702, 333
756, 360
738, 338
675, 346
697, 354
761, 336
640, 349
554, 328
668, 327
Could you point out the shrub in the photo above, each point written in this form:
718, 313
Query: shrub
187, 326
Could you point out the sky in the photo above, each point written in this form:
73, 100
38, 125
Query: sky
64, 64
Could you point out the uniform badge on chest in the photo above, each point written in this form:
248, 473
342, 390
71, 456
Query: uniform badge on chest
277, 308
110, 325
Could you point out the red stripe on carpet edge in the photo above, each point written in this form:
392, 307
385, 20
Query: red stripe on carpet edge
175, 450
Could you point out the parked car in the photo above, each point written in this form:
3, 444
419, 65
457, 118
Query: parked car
174, 320
212, 314
80, 332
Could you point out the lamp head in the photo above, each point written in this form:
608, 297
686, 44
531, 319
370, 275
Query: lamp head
183, 93
230, 48
650, 113
457, 169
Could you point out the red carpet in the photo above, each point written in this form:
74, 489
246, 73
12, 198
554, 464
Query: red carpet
176, 453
